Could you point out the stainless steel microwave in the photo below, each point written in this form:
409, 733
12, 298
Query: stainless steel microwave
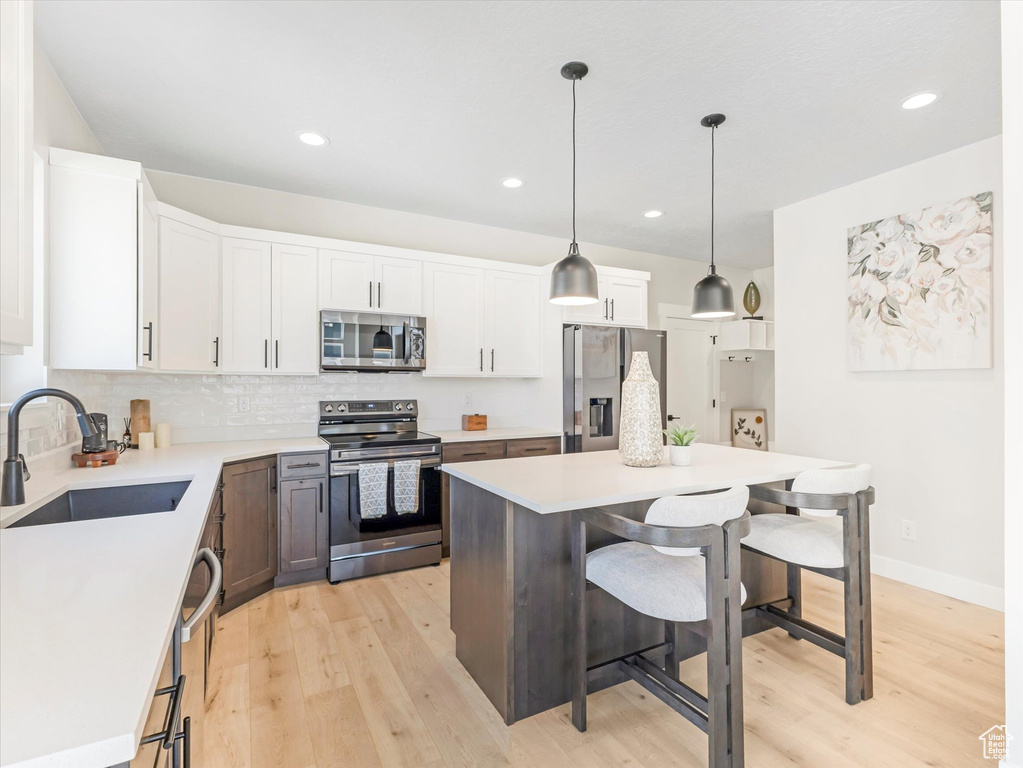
362, 341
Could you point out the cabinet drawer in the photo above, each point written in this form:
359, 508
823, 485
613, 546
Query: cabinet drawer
299, 465
539, 446
482, 451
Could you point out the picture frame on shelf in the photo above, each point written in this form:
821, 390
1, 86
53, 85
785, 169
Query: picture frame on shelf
749, 428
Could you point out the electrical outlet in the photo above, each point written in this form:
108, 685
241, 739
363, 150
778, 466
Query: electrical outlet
243, 404
909, 530
467, 401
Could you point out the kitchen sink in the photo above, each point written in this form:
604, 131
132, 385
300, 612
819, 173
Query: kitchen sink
114, 501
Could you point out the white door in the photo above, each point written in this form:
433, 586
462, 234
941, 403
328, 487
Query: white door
399, 286
149, 278
347, 281
592, 314
454, 301
189, 327
690, 376
626, 301
513, 324
245, 346
295, 319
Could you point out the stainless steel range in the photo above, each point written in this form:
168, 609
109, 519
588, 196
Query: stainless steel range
385, 487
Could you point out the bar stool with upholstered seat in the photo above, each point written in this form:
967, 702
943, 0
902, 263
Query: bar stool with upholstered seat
843, 553
681, 566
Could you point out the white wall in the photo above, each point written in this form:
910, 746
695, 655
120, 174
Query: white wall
1012, 168
58, 123
933, 437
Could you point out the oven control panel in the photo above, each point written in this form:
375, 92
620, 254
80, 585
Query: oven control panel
359, 407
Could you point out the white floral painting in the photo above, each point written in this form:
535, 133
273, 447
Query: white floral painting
920, 289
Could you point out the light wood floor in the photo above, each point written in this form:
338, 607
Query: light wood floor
364, 674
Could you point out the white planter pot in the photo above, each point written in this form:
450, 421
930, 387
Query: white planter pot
680, 455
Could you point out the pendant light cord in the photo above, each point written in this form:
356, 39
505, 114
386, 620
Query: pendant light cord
573, 159
713, 130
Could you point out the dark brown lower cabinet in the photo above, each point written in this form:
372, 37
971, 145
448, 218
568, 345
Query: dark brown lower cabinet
250, 529
485, 450
304, 520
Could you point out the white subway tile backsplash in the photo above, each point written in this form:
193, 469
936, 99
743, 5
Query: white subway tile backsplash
204, 408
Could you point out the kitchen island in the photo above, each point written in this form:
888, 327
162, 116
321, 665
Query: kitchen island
511, 562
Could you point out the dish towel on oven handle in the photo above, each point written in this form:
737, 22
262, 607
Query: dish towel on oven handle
372, 490
406, 486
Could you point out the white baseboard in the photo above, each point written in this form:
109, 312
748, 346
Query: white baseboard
942, 583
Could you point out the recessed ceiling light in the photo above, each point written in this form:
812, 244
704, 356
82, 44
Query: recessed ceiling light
653, 214
512, 182
918, 100
312, 138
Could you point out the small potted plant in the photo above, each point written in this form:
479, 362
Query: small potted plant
681, 450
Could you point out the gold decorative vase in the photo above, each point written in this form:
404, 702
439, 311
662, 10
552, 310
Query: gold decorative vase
751, 300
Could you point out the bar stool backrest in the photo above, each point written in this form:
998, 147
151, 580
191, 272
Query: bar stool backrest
837, 480
694, 511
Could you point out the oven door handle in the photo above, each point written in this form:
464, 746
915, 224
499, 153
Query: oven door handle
345, 470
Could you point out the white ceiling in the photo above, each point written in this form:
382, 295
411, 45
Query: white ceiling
428, 105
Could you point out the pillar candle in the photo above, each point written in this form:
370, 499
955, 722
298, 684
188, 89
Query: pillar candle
163, 438
147, 441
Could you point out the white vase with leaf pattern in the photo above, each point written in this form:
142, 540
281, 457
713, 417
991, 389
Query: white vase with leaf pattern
641, 441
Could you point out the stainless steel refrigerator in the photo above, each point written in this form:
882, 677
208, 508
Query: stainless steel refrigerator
596, 361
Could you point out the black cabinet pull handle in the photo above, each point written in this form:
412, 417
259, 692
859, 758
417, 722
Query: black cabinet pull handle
277, 353
612, 309
378, 296
531, 450
478, 453
605, 309
149, 354
481, 359
216, 352
491, 361
371, 293
304, 466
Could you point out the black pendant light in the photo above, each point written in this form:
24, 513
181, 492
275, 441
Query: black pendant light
382, 341
712, 296
574, 279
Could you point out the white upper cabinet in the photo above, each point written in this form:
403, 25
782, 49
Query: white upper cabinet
481, 322
591, 314
16, 162
246, 306
148, 276
294, 317
98, 255
359, 282
347, 281
513, 324
188, 333
399, 286
270, 321
621, 301
453, 298
626, 301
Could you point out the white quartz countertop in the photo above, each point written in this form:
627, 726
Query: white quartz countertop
569, 481
87, 608
498, 433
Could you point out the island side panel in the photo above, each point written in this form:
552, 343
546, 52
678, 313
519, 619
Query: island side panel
543, 630
482, 590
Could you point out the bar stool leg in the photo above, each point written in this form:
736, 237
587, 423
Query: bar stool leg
866, 637
579, 624
793, 574
671, 659
851, 573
